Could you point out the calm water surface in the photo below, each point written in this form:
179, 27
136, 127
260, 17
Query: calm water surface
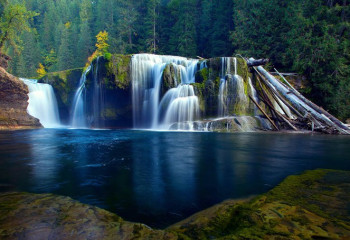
159, 178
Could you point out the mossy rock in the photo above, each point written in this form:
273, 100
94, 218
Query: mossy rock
170, 78
313, 205
118, 67
202, 76
46, 216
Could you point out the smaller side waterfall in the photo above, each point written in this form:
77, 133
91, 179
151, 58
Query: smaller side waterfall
42, 103
78, 117
222, 97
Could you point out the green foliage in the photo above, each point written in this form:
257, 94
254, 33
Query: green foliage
183, 38
308, 37
14, 20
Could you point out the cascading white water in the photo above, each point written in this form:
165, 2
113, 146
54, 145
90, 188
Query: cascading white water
147, 71
98, 98
78, 116
42, 103
222, 97
180, 105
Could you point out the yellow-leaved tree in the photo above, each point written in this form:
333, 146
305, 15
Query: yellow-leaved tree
41, 71
102, 46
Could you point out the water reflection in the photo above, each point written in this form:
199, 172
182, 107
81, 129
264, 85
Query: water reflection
159, 177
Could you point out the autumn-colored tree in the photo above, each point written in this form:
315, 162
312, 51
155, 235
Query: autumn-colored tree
41, 71
102, 46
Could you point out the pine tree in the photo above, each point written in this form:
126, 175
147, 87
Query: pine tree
151, 26
65, 52
183, 38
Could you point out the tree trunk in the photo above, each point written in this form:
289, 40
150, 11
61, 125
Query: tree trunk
303, 105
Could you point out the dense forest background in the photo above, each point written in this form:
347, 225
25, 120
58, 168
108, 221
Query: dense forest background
310, 37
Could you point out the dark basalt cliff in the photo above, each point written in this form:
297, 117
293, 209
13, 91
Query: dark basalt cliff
13, 103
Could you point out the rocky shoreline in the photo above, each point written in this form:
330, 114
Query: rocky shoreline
313, 205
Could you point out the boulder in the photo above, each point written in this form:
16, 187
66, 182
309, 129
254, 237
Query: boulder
4, 59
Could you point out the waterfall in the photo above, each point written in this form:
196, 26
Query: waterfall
78, 114
42, 103
98, 98
222, 97
178, 104
181, 105
88, 104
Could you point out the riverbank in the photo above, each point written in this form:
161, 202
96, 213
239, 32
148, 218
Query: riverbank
308, 206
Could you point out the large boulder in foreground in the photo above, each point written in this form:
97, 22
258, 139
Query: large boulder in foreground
314, 205
46, 216
13, 103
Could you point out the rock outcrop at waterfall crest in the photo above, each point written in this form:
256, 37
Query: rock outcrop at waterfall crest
13, 103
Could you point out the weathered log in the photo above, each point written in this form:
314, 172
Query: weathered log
278, 95
314, 106
301, 105
258, 62
285, 119
267, 100
270, 120
277, 101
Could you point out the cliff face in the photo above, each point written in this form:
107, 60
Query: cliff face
13, 103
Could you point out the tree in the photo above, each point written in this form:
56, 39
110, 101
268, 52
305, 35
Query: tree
183, 38
65, 51
14, 20
126, 26
50, 59
101, 44
41, 71
151, 26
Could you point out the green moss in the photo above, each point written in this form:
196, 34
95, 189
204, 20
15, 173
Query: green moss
118, 66
202, 75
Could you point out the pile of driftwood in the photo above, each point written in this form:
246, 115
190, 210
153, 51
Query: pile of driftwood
305, 114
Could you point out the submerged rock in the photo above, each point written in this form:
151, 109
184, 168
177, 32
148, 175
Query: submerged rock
313, 205
13, 103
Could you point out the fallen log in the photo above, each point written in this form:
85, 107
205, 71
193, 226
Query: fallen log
258, 62
304, 106
277, 100
267, 100
314, 106
278, 95
270, 120
285, 119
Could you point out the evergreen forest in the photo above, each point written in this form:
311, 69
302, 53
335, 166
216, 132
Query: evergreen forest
310, 38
